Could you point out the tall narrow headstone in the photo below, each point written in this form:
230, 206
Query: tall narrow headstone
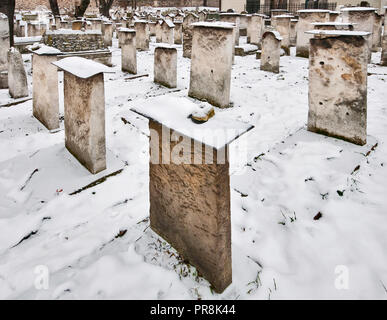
270, 55
282, 24
128, 52
187, 33
4, 47
165, 65
17, 77
142, 35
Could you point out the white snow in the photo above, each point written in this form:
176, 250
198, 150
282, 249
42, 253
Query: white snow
281, 177
358, 9
339, 32
222, 25
42, 49
81, 67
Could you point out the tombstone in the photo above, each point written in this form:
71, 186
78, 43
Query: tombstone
334, 16
159, 31
77, 25
4, 47
17, 77
271, 51
187, 33
211, 62
190, 198
142, 35
338, 84
255, 29
178, 32
58, 22
107, 32
152, 28
243, 25
293, 32
383, 61
332, 26
45, 93
232, 18
306, 18
167, 32
42, 29
128, 52
377, 33
363, 20
278, 12
282, 25
33, 29
165, 65
84, 108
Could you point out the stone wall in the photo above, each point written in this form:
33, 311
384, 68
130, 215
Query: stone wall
74, 41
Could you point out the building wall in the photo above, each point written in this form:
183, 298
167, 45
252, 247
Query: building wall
236, 5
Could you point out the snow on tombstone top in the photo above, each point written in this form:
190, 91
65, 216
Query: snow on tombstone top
81, 67
41, 49
126, 30
338, 33
174, 113
222, 25
358, 9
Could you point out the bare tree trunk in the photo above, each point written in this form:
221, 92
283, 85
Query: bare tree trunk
54, 7
80, 10
8, 8
104, 7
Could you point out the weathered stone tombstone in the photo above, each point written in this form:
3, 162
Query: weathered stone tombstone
178, 32
383, 61
190, 195
293, 32
338, 84
165, 65
334, 16
33, 29
17, 77
255, 28
211, 62
270, 54
58, 21
282, 24
377, 33
107, 32
128, 52
45, 101
232, 18
77, 25
167, 27
306, 18
152, 28
142, 35
187, 33
332, 26
363, 20
4, 47
243, 19
84, 104
159, 31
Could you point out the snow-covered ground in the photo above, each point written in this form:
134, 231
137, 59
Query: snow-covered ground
308, 212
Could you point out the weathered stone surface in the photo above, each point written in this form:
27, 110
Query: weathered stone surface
142, 35
383, 61
4, 45
293, 32
211, 63
187, 34
255, 29
165, 66
377, 34
338, 87
178, 33
84, 102
282, 24
128, 53
306, 18
17, 77
232, 18
159, 32
190, 208
45, 90
107, 32
271, 51
74, 41
167, 33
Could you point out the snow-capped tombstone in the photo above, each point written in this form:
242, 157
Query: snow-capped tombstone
142, 35
152, 28
107, 32
232, 18
338, 84
128, 52
84, 111
187, 33
293, 32
211, 62
17, 77
282, 24
159, 31
306, 18
178, 32
45, 95
377, 33
4, 47
271, 51
363, 20
189, 184
167, 32
255, 28
165, 65
383, 61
